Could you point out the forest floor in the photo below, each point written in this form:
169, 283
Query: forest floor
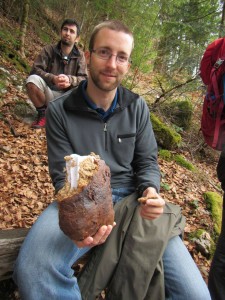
26, 188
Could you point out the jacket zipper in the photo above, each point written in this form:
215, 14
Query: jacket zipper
105, 130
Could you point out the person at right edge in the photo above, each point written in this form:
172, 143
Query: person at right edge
217, 271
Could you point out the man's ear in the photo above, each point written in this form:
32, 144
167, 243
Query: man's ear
87, 55
77, 39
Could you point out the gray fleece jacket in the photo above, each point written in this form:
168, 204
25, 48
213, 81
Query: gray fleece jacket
125, 141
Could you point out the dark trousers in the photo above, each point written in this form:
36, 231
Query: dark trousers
217, 271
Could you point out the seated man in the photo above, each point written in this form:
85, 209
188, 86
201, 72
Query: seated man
103, 117
56, 69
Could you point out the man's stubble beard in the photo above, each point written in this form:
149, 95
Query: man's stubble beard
66, 43
104, 87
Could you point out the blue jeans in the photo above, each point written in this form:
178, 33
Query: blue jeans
44, 271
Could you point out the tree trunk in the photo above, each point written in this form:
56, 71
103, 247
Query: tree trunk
24, 22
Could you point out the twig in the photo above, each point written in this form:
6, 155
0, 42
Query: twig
12, 130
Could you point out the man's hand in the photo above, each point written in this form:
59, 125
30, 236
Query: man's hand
98, 239
152, 204
62, 81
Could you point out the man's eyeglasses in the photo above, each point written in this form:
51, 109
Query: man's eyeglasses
104, 53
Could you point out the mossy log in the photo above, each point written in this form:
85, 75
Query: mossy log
166, 137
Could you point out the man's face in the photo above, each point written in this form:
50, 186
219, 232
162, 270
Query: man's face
107, 74
69, 35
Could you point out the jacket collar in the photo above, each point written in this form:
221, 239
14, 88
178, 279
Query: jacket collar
75, 51
75, 100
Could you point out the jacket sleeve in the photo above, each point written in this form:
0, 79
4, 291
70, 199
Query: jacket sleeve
42, 63
58, 145
221, 169
81, 71
145, 162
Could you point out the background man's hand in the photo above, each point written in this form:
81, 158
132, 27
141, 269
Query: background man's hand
153, 207
98, 239
62, 81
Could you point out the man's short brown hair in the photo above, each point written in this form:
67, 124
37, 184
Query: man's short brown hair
115, 25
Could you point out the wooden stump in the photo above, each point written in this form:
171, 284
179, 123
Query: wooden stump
10, 242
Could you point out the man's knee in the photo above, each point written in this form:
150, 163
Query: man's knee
35, 82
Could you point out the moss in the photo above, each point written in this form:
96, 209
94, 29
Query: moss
10, 54
23, 109
181, 160
165, 154
196, 234
208, 247
214, 204
165, 186
2, 85
179, 112
165, 136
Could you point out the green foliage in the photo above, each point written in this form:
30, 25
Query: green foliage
181, 160
165, 136
214, 203
184, 32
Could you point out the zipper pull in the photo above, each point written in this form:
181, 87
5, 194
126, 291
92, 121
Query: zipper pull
105, 127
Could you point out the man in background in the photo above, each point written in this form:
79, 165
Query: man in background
57, 69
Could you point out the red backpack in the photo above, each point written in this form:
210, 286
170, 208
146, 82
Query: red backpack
212, 72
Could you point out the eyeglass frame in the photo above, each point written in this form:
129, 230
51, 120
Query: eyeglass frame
110, 55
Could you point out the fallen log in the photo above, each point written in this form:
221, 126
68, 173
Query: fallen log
10, 242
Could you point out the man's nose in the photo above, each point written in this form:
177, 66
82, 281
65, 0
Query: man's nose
112, 61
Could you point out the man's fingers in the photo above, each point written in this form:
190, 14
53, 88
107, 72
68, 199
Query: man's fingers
99, 238
102, 235
159, 202
152, 208
85, 243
